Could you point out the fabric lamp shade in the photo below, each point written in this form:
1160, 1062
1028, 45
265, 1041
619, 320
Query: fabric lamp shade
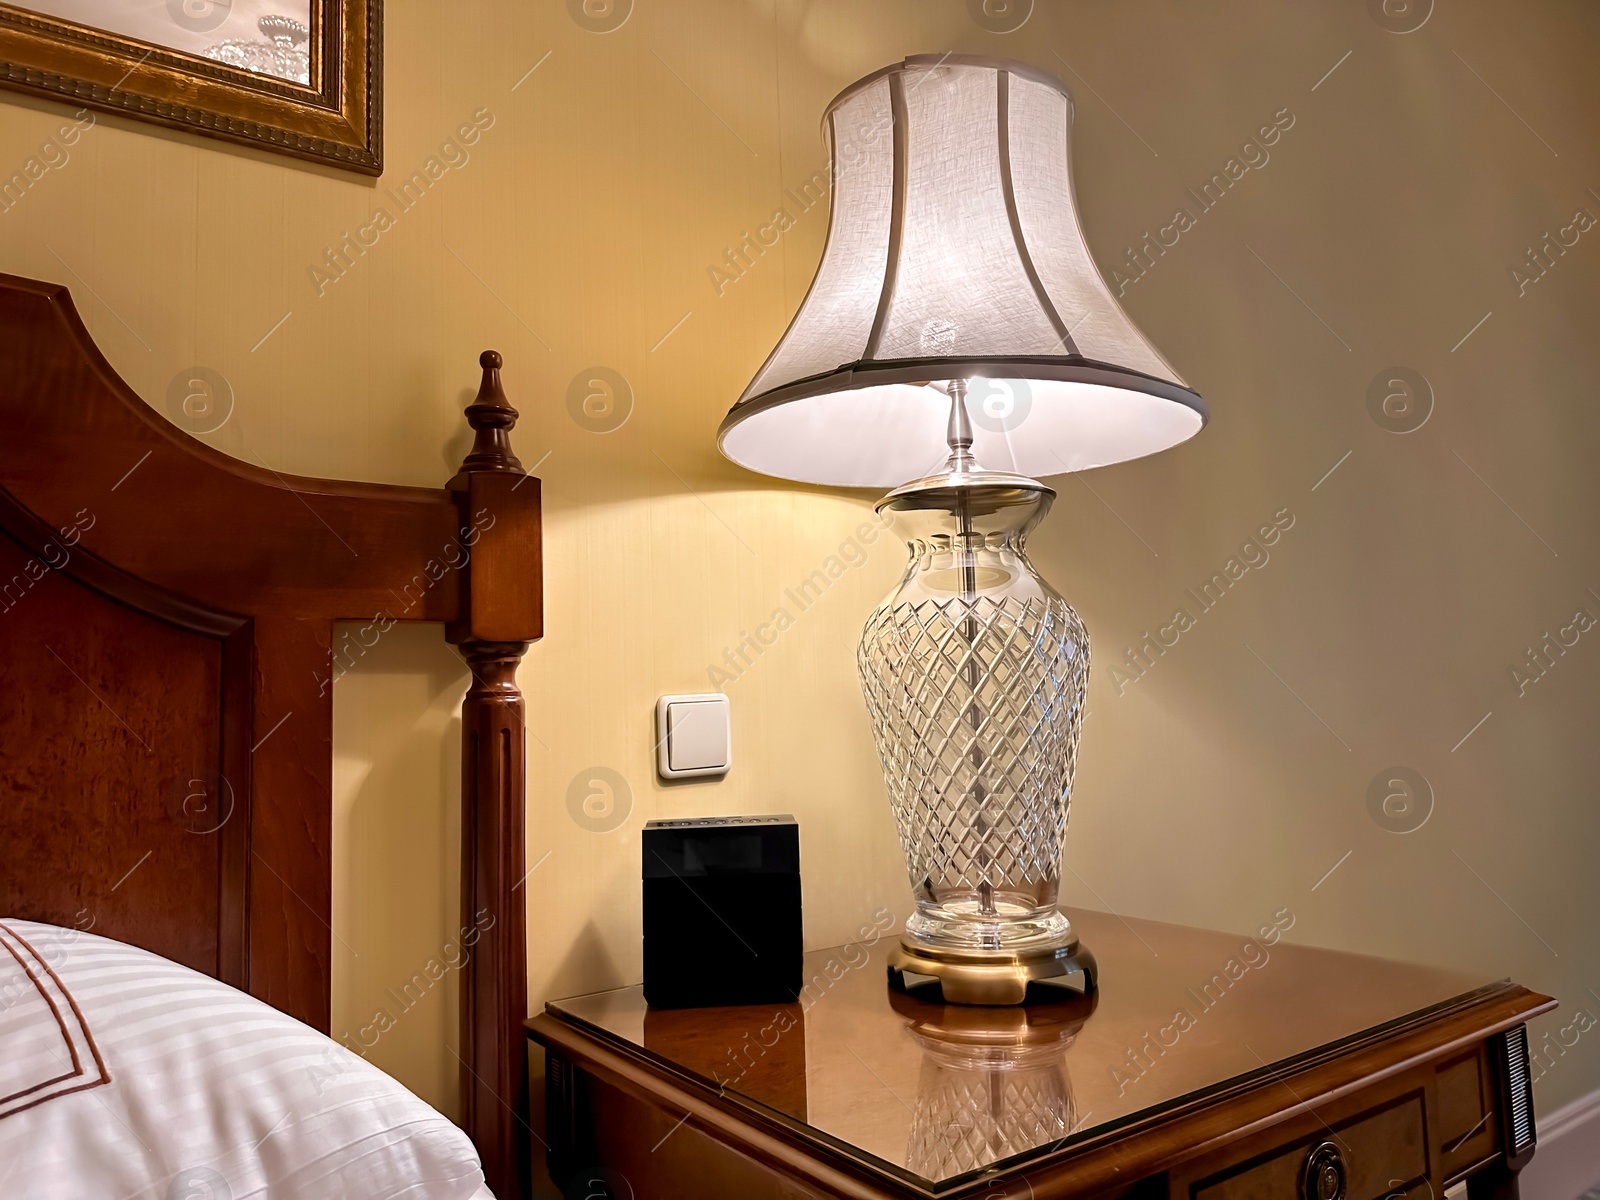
954, 251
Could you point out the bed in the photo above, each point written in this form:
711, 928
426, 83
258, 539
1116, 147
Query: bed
167, 648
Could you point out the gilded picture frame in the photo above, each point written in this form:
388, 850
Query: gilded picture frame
296, 77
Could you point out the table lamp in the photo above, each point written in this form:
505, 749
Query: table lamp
957, 318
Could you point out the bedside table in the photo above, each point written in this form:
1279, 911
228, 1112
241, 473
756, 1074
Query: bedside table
1207, 1066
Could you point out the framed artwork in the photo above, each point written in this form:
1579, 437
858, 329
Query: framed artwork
300, 77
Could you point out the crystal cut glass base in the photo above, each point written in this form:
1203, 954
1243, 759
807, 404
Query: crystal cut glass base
974, 671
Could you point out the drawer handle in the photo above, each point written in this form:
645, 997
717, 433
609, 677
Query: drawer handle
1324, 1174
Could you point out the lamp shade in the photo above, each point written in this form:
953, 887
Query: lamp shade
954, 251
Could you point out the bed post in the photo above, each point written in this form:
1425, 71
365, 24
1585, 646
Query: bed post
501, 612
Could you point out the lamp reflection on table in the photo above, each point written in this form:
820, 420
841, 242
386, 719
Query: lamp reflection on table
994, 1081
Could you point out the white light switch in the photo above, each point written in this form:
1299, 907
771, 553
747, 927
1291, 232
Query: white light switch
692, 735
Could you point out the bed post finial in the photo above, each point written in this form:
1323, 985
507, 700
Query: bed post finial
492, 418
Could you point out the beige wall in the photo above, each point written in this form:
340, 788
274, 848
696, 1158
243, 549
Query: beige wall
1223, 784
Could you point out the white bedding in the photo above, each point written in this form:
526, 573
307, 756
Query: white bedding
124, 1076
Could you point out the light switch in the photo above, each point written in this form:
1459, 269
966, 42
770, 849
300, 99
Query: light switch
692, 735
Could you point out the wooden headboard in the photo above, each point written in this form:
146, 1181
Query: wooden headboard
166, 664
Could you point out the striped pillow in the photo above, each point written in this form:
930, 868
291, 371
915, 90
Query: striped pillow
126, 1076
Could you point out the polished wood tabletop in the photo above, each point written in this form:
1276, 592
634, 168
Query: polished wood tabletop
939, 1093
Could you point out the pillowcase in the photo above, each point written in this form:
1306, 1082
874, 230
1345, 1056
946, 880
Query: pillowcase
128, 1077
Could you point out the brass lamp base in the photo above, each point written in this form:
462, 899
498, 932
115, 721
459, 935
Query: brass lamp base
963, 977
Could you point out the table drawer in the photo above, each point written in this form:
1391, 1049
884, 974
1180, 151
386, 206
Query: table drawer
1377, 1154
1468, 1127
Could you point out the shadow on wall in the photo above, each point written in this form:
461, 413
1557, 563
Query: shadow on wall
588, 958
399, 940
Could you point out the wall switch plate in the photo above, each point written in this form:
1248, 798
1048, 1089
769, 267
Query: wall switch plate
692, 735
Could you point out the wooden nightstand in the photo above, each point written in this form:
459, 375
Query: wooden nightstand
1207, 1066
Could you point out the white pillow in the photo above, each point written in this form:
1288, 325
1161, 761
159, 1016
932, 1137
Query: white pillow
128, 1077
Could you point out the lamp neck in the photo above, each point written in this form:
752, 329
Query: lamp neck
958, 434
961, 486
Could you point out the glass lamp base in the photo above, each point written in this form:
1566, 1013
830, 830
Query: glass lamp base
964, 925
992, 977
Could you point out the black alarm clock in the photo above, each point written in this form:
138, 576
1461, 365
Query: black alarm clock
722, 911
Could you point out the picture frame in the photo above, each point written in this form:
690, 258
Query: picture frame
296, 77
